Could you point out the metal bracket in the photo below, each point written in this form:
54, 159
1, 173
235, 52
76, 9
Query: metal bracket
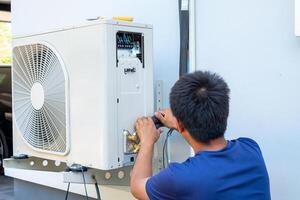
120, 177
159, 106
159, 94
117, 177
34, 163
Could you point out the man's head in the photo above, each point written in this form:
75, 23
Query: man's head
200, 102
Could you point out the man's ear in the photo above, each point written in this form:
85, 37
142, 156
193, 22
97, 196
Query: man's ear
180, 126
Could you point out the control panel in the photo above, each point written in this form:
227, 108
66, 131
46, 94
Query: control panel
130, 45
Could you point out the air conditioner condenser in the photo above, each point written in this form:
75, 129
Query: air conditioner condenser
78, 90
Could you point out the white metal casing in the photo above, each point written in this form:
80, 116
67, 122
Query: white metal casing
96, 119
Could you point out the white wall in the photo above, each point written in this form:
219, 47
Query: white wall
34, 16
252, 44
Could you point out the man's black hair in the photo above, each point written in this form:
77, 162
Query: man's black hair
200, 101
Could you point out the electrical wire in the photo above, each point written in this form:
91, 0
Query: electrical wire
78, 169
97, 190
165, 150
67, 193
86, 194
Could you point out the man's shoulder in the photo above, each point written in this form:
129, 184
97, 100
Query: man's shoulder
248, 142
241, 146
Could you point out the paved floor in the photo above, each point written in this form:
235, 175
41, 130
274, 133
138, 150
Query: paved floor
6, 188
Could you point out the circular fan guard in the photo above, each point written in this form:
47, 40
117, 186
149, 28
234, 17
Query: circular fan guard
39, 97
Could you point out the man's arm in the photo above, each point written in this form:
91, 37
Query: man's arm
142, 169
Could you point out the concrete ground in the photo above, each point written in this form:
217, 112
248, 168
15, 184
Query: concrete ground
6, 188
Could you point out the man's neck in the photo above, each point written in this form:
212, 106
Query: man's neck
213, 145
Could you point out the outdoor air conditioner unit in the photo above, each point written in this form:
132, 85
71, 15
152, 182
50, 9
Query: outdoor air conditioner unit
77, 90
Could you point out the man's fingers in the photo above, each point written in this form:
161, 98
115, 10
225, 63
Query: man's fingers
149, 120
139, 122
160, 116
141, 119
144, 122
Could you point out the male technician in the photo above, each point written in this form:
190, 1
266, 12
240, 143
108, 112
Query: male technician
221, 169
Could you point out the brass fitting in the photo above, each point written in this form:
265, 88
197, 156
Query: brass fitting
133, 137
132, 142
136, 148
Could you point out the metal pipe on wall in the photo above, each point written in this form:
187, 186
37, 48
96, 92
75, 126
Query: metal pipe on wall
192, 36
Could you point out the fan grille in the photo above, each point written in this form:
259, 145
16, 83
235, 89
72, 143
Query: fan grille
42, 126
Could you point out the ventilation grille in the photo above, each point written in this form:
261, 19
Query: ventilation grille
39, 97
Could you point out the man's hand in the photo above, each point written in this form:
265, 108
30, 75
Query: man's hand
146, 131
142, 169
167, 118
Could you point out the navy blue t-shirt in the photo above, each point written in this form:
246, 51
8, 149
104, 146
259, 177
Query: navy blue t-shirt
237, 172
